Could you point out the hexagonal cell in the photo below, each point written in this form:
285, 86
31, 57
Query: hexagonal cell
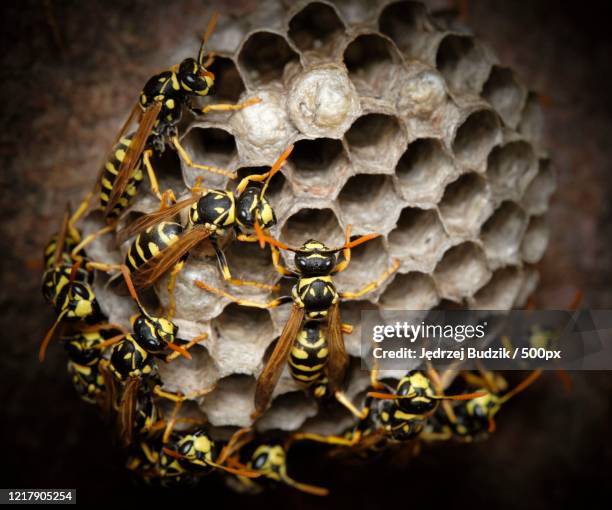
167, 170
228, 82
190, 376
502, 234
538, 193
475, 138
530, 282
421, 92
232, 401
535, 239
263, 57
370, 60
350, 312
423, 169
410, 291
407, 24
505, 94
230, 351
319, 224
368, 202
247, 261
465, 204
511, 168
531, 125
376, 140
461, 272
288, 412
419, 238
369, 261
462, 62
319, 166
209, 146
501, 291
314, 26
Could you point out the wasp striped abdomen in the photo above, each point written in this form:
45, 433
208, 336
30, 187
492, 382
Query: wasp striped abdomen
309, 355
109, 175
151, 242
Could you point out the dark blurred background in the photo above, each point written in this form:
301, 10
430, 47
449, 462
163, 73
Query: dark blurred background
70, 73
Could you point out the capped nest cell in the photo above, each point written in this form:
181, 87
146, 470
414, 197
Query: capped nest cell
402, 125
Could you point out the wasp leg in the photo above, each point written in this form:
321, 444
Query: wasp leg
346, 253
171, 286
374, 381
372, 285
335, 440
347, 328
250, 178
439, 389
210, 59
90, 238
344, 400
83, 206
225, 107
244, 302
187, 346
101, 266
436, 436
187, 159
227, 275
247, 238
279, 266
146, 159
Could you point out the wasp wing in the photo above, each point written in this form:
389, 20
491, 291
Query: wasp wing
60, 240
148, 273
338, 358
151, 219
271, 373
127, 410
131, 157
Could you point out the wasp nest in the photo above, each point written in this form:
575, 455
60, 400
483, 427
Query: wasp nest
403, 124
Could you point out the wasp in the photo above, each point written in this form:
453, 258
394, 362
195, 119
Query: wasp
159, 107
66, 284
314, 297
162, 244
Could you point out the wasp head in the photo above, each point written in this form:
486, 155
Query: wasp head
194, 78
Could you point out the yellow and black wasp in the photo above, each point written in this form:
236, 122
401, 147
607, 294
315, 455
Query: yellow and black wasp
314, 298
159, 107
67, 283
162, 244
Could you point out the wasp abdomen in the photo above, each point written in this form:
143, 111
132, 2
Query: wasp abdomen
151, 242
309, 354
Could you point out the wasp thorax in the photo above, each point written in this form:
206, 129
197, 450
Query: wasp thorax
194, 78
314, 259
216, 209
251, 206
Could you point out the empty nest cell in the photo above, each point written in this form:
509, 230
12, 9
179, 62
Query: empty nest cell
475, 138
540, 189
376, 140
407, 24
319, 224
423, 169
419, 237
461, 272
232, 401
510, 169
502, 234
314, 26
370, 59
263, 57
532, 120
462, 63
410, 291
319, 166
465, 204
228, 82
369, 203
505, 94
501, 291
535, 239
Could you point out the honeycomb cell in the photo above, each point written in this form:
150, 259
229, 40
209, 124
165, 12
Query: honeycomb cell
350, 312
530, 282
231, 353
232, 401
315, 26
502, 235
368, 202
209, 146
539, 191
462, 62
410, 291
420, 93
288, 411
228, 82
319, 167
510, 169
370, 60
190, 376
247, 261
263, 57
475, 138
461, 272
419, 240
505, 94
319, 224
465, 205
501, 291
376, 141
535, 240
409, 26
531, 125
423, 169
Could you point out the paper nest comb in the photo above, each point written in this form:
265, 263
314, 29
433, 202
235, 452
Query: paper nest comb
403, 124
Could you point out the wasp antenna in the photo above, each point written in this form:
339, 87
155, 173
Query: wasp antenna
209, 30
278, 164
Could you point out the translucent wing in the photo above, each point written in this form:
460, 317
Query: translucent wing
338, 358
150, 272
127, 409
131, 157
271, 373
